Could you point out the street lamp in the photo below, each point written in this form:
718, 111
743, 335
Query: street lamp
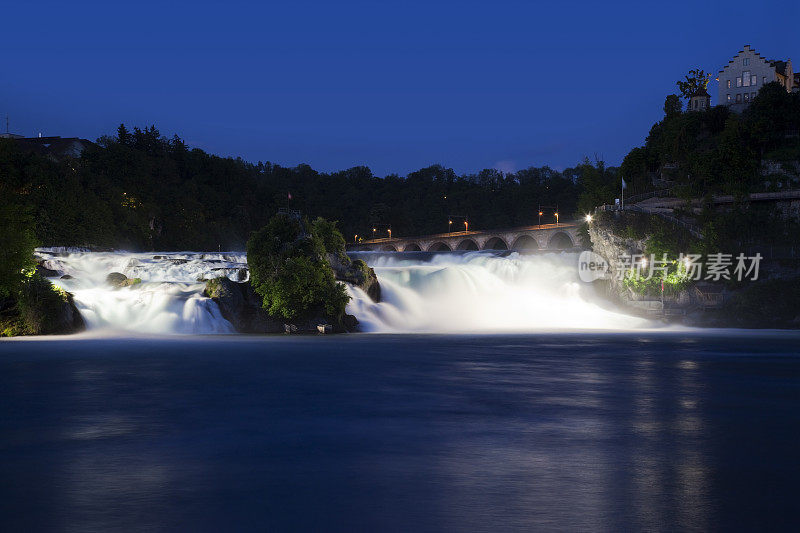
373, 233
556, 218
540, 218
355, 238
450, 226
588, 218
390, 233
466, 226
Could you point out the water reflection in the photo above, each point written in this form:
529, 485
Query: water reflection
397, 433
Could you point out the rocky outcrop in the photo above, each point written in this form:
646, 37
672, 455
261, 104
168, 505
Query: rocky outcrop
611, 247
118, 280
695, 304
242, 307
356, 273
40, 308
44, 268
67, 319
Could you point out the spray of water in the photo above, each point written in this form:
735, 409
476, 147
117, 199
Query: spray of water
169, 298
480, 292
473, 292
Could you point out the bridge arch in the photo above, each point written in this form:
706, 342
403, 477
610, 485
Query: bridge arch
388, 248
560, 240
525, 242
440, 246
495, 243
468, 244
412, 247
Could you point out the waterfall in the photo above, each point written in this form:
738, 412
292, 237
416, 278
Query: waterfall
169, 298
474, 292
482, 292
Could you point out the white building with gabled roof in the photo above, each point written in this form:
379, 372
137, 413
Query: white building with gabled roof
745, 74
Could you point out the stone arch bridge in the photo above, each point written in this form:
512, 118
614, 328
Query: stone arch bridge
528, 238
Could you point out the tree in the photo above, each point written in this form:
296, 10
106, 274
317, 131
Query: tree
17, 243
599, 184
695, 82
771, 115
123, 135
672, 105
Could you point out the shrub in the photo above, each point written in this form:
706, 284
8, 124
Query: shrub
41, 306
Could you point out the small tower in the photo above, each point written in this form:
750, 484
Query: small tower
700, 101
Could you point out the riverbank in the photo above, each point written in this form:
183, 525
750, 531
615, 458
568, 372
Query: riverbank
767, 296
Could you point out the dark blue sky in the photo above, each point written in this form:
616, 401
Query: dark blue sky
392, 85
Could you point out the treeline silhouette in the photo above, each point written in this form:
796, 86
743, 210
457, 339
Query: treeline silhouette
142, 191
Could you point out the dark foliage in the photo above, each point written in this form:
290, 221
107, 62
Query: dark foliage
140, 190
290, 270
716, 151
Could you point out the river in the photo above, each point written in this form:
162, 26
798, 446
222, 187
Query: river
578, 431
513, 400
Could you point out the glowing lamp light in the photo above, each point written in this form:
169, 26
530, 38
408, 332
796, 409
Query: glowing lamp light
588, 218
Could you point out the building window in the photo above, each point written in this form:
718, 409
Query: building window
746, 61
746, 78
738, 82
764, 80
754, 80
729, 99
729, 84
752, 96
739, 98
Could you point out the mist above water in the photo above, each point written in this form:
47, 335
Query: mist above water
475, 292
481, 292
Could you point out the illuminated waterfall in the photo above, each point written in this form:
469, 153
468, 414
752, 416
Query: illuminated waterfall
475, 292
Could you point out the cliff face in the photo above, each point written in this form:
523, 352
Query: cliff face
611, 247
614, 241
771, 301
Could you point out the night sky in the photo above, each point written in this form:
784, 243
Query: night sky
392, 85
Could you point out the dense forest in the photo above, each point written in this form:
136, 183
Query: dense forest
140, 190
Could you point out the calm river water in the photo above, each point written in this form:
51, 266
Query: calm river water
608, 432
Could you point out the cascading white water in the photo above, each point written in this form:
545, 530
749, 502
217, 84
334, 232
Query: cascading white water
169, 298
472, 292
482, 292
